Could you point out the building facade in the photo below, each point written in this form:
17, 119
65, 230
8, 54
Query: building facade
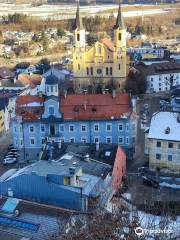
102, 63
94, 118
162, 143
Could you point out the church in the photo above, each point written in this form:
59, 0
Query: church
102, 63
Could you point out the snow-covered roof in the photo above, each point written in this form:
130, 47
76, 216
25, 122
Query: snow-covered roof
165, 126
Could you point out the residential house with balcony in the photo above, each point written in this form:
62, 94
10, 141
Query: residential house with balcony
162, 142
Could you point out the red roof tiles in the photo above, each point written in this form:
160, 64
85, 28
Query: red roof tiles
79, 107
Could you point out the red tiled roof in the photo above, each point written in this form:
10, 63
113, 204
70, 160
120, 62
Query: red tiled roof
23, 100
79, 107
24, 79
98, 106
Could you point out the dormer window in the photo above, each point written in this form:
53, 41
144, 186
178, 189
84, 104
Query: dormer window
167, 130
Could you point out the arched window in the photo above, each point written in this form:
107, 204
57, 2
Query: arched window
78, 37
99, 49
119, 36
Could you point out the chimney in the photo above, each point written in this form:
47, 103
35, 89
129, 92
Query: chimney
113, 93
85, 105
97, 146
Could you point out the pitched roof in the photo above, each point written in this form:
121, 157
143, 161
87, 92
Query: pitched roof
79, 107
109, 44
160, 122
98, 106
24, 80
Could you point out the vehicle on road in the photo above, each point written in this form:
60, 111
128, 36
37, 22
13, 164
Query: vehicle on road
150, 182
9, 160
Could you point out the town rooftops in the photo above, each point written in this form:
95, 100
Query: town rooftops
162, 68
80, 107
165, 126
6, 73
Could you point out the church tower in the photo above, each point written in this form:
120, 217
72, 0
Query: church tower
120, 48
79, 49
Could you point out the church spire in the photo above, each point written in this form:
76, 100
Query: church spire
119, 21
78, 24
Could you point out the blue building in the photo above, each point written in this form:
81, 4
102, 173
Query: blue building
70, 182
83, 118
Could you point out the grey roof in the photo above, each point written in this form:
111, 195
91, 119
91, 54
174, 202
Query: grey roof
78, 24
119, 21
51, 79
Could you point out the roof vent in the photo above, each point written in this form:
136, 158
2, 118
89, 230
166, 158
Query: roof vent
167, 130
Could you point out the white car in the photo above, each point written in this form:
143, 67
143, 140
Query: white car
9, 160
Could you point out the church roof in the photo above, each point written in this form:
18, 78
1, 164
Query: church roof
109, 44
119, 21
78, 24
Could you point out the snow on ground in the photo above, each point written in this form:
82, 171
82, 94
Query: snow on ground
68, 11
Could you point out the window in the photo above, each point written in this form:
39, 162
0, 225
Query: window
87, 70
119, 66
127, 140
158, 144
159, 84
79, 67
42, 128
107, 70
61, 128
159, 89
52, 88
108, 140
51, 110
120, 127
78, 37
47, 88
151, 79
119, 36
96, 139
83, 128
120, 140
84, 140
170, 145
32, 141
62, 140
158, 156
43, 141
15, 129
133, 139
108, 127
91, 70
71, 128
21, 142
31, 129
96, 128
72, 140
127, 127
99, 49
52, 130
169, 157
110, 70
20, 128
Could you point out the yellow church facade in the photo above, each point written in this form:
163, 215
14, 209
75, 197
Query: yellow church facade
104, 62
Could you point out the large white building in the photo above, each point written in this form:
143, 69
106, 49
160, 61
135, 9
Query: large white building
162, 142
161, 77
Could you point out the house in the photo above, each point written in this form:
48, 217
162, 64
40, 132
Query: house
70, 182
3, 115
102, 63
175, 98
162, 143
83, 118
161, 76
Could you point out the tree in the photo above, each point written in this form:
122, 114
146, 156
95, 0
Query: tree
44, 65
60, 32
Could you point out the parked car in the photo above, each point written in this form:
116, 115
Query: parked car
11, 155
9, 160
150, 182
13, 150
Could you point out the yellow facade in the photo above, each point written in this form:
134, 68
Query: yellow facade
2, 129
164, 164
102, 63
